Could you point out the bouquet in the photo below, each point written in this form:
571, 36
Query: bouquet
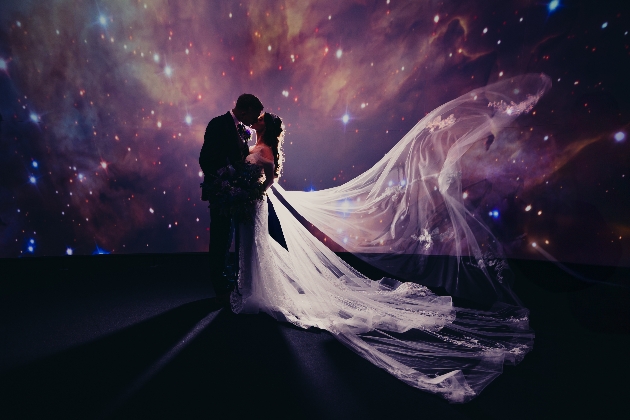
235, 190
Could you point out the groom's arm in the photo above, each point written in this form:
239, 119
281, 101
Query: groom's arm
212, 156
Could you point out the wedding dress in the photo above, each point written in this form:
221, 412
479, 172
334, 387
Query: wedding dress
407, 216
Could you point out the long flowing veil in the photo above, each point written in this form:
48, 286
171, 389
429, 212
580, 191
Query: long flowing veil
408, 216
410, 205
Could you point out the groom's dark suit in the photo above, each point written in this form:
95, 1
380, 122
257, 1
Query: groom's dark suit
221, 146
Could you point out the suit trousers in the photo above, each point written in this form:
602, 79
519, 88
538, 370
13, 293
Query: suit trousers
221, 232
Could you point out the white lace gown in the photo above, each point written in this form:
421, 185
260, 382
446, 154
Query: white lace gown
254, 253
404, 328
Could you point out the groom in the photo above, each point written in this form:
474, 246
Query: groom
225, 143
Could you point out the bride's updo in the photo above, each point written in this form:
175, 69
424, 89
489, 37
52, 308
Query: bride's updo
273, 137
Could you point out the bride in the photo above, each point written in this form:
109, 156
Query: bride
409, 217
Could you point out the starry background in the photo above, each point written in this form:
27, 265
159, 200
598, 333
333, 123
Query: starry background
104, 105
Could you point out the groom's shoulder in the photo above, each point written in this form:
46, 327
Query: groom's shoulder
221, 119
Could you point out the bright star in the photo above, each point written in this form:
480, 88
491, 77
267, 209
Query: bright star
30, 248
103, 164
345, 206
436, 19
168, 71
339, 53
156, 57
3, 64
102, 20
35, 164
99, 251
188, 119
345, 118
620, 136
69, 251
285, 93
34, 117
553, 5
604, 25
32, 179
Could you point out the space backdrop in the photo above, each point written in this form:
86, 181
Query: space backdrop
104, 104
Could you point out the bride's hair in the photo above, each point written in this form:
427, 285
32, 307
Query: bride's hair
273, 137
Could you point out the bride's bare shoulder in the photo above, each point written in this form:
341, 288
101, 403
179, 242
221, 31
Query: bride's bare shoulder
266, 152
262, 150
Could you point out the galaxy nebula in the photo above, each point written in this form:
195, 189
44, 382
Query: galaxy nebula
104, 106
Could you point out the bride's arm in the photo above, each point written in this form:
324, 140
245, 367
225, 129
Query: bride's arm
268, 166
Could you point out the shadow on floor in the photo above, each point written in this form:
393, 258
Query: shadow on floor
81, 382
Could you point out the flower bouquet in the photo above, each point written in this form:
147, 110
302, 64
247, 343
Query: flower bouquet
235, 190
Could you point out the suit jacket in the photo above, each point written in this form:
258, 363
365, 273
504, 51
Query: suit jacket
221, 146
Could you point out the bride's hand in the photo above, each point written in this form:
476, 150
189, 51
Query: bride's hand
268, 183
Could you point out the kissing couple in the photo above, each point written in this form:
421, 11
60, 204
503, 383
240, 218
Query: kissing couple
225, 150
406, 215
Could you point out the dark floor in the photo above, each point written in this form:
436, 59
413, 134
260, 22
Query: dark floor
138, 337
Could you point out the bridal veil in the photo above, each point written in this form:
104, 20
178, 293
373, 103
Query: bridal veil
409, 216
